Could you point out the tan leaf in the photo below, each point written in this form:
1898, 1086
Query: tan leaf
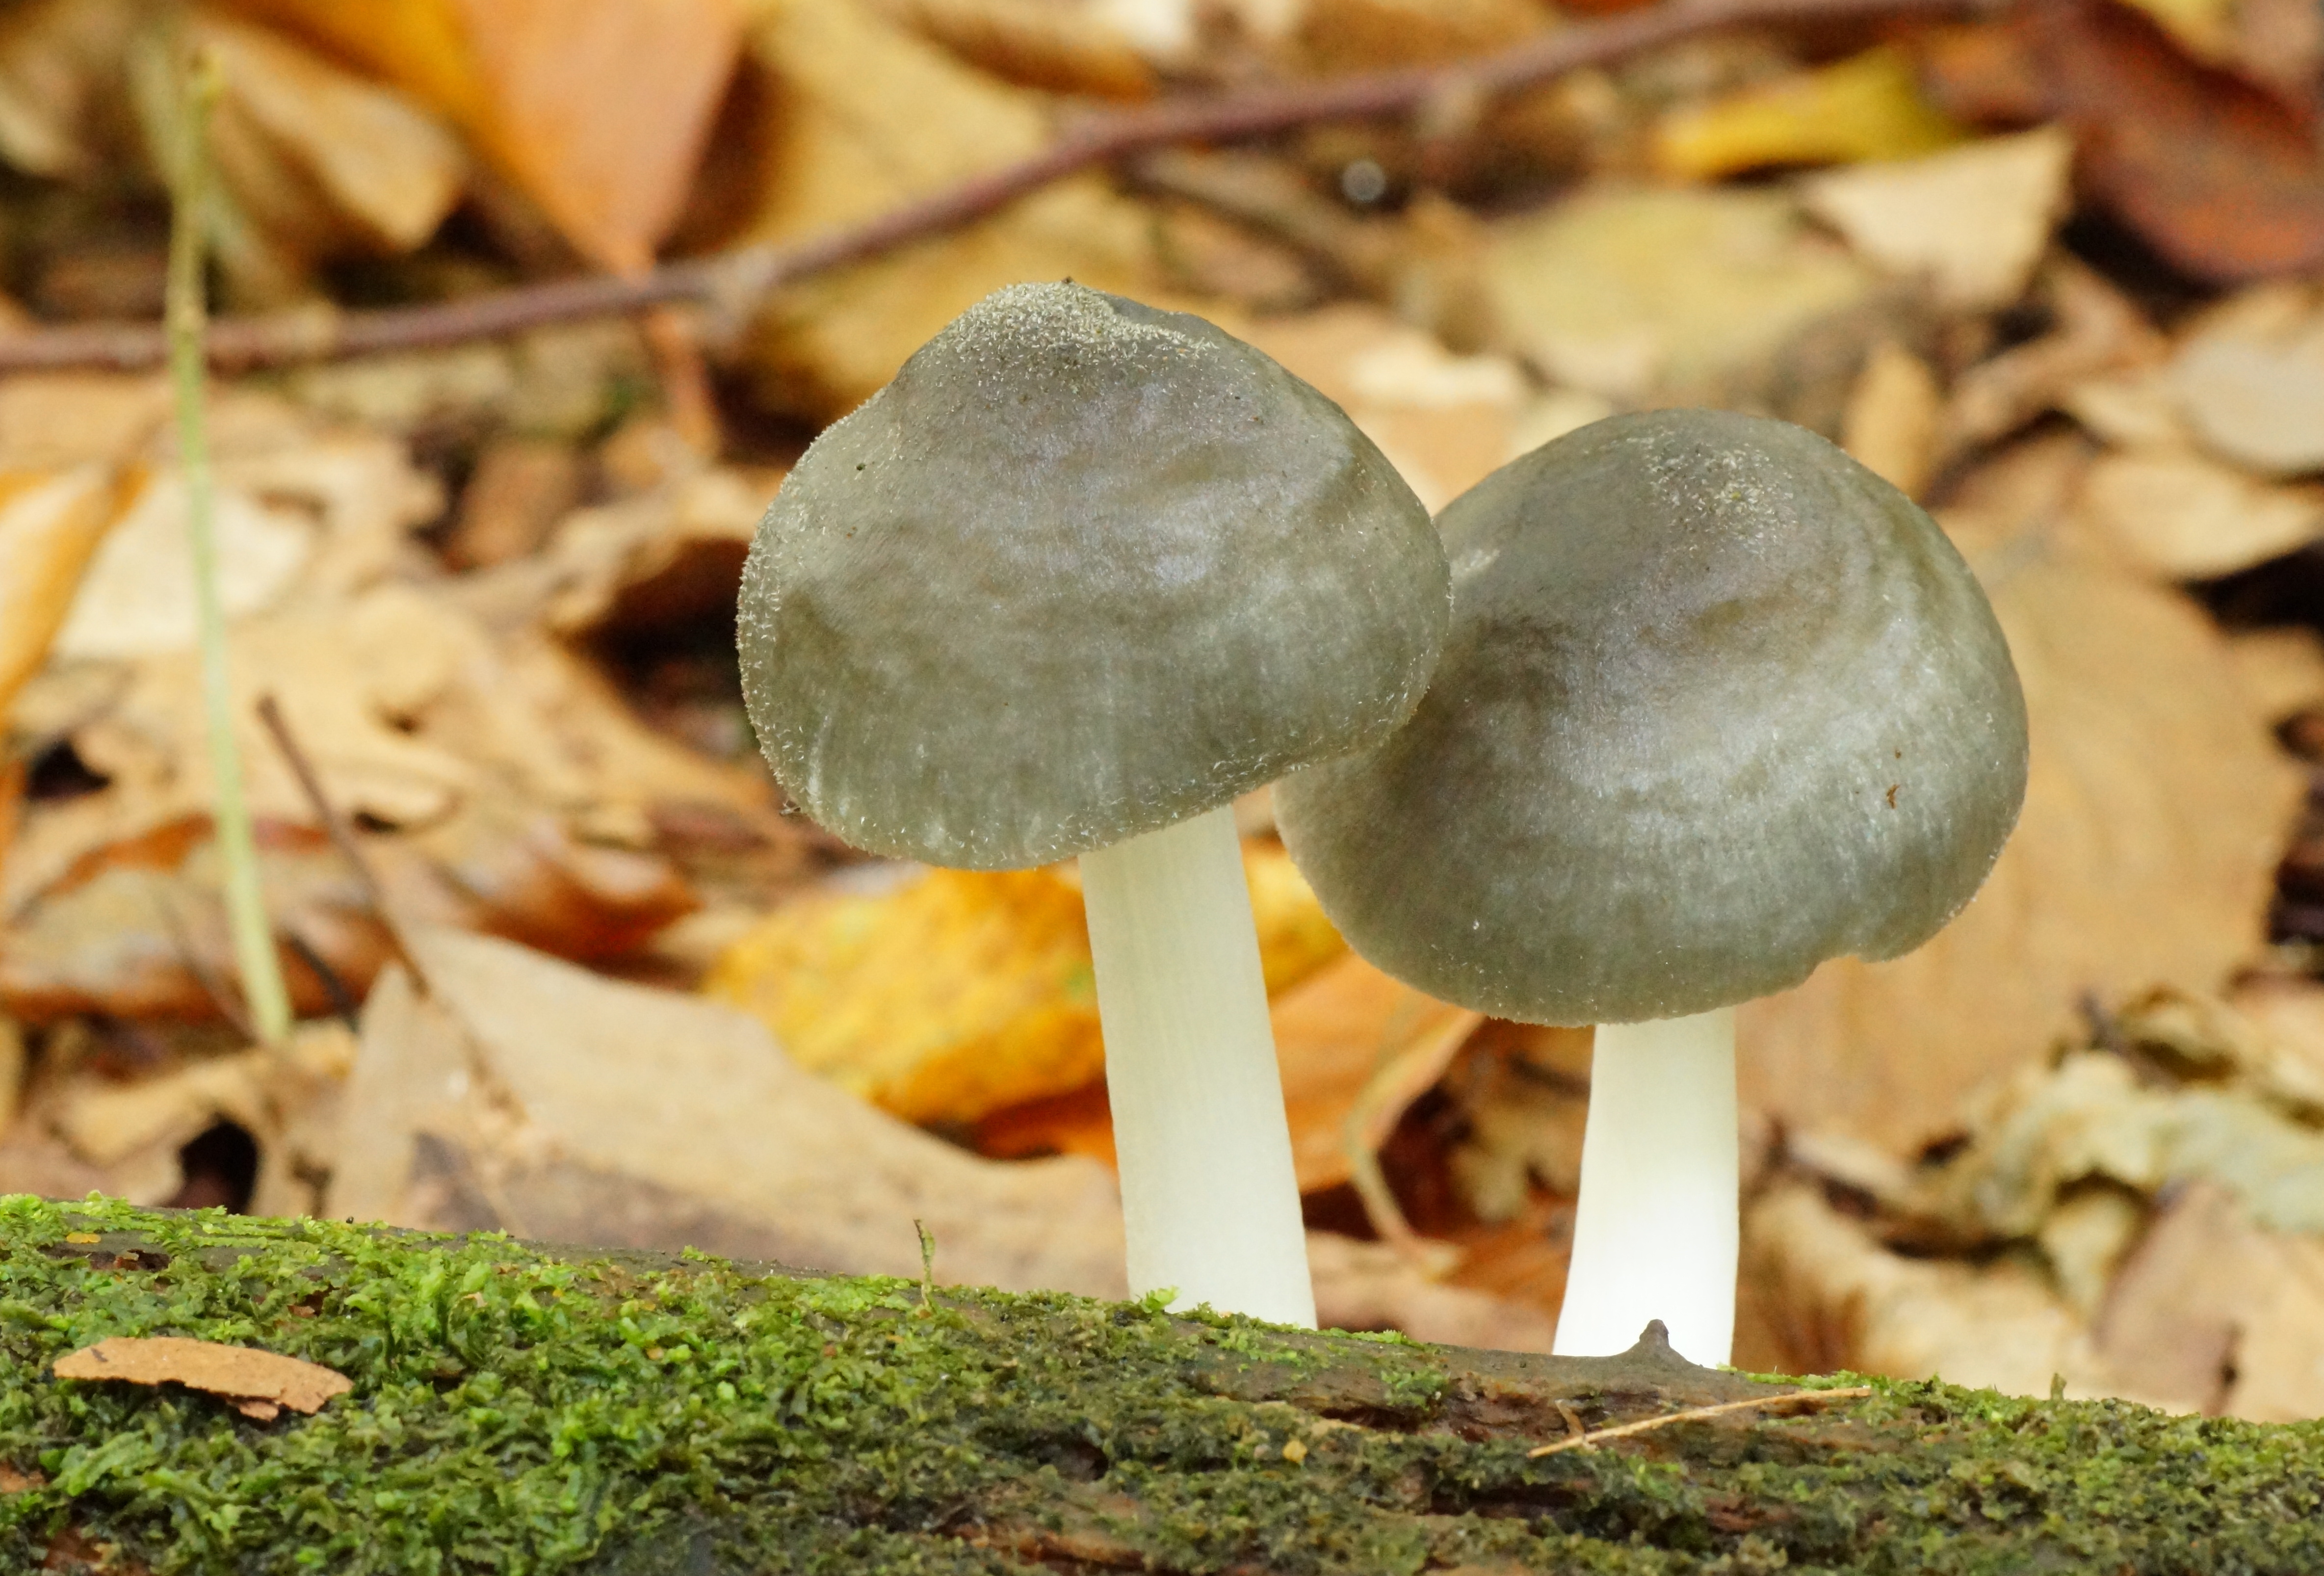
597, 108
1890, 422
863, 117
1629, 294
1444, 421
2186, 517
2155, 813
1973, 220
255, 1383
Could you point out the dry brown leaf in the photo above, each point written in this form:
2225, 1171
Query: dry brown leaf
1370, 1285
2154, 814
520, 488
597, 108
51, 526
2249, 380
1635, 294
693, 1113
1357, 35
1973, 221
2282, 668
865, 115
1834, 1297
2184, 516
315, 161
257, 1384
2099, 332
59, 114
1444, 421
1890, 422
1061, 46
15, 1063
1356, 1048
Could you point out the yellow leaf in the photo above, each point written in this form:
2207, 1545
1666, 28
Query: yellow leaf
968, 991
1868, 107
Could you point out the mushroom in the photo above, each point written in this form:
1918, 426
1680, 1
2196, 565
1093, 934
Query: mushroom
1081, 575
1717, 703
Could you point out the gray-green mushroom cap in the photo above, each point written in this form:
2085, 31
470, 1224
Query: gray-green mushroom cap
1083, 569
1717, 703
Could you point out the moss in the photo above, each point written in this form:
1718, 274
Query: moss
522, 1409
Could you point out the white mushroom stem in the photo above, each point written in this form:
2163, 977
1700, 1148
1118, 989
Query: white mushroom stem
1655, 1228
1209, 1199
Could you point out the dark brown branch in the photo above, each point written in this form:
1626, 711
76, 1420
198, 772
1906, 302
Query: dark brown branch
734, 281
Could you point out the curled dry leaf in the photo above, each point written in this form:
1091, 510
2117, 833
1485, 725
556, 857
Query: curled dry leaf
254, 1383
2186, 517
2154, 815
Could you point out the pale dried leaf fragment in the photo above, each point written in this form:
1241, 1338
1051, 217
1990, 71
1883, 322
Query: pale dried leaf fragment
2256, 402
1633, 294
254, 1383
319, 159
2184, 516
1890, 423
2155, 813
2282, 668
1974, 220
1444, 421
865, 116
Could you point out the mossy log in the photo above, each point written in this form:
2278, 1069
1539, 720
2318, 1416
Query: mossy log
522, 1408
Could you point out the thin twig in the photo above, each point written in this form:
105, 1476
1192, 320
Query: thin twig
342, 835
187, 312
733, 282
1811, 1398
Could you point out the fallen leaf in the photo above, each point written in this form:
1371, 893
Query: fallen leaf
257, 1384
649, 1117
520, 488
597, 109
1444, 421
1890, 423
2248, 381
1061, 46
1868, 107
60, 116
2186, 517
1370, 1285
315, 161
106, 1121
2217, 174
968, 991
1333, 36
51, 526
863, 117
2168, 1326
2097, 333
2155, 812
1973, 220
1835, 1297
15, 1063
1633, 294
2281, 669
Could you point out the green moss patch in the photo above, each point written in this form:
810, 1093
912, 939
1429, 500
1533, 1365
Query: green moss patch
524, 1409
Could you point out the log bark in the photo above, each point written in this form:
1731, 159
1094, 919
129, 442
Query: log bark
528, 1408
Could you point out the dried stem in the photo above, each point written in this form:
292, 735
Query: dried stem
186, 315
342, 835
733, 282
1647, 1425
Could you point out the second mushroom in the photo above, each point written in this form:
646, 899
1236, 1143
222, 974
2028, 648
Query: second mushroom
1717, 703
1081, 575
